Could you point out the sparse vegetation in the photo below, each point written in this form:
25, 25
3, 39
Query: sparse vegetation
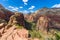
57, 35
35, 34
18, 26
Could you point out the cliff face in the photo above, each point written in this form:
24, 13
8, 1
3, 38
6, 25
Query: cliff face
43, 23
52, 14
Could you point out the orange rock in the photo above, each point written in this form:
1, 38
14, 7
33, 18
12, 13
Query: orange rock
15, 34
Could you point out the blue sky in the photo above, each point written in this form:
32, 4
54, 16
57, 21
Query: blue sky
29, 5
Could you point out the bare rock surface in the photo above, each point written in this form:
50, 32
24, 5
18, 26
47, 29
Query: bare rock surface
43, 23
15, 34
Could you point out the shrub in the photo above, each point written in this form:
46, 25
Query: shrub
57, 35
35, 34
19, 26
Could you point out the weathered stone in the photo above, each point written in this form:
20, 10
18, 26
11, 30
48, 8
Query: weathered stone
29, 18
2, 25
20, 19
17, 18
15, 34
43, 23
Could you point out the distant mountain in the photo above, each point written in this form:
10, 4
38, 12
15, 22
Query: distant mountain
50, 12
4, 13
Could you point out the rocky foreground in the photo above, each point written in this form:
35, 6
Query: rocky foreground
10, 31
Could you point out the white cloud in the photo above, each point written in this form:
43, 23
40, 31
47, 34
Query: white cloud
32, 7
25, 1
13, 8
20, 7
56, 6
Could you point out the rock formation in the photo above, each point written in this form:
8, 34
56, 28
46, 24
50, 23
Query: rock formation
43, 23
15, 34
30, 18
10, 32
20, 19
16, 19
53, 14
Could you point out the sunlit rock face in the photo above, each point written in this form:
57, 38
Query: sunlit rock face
26, 16
16, 19
42, 23
13, 34
30, 18
10, 32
